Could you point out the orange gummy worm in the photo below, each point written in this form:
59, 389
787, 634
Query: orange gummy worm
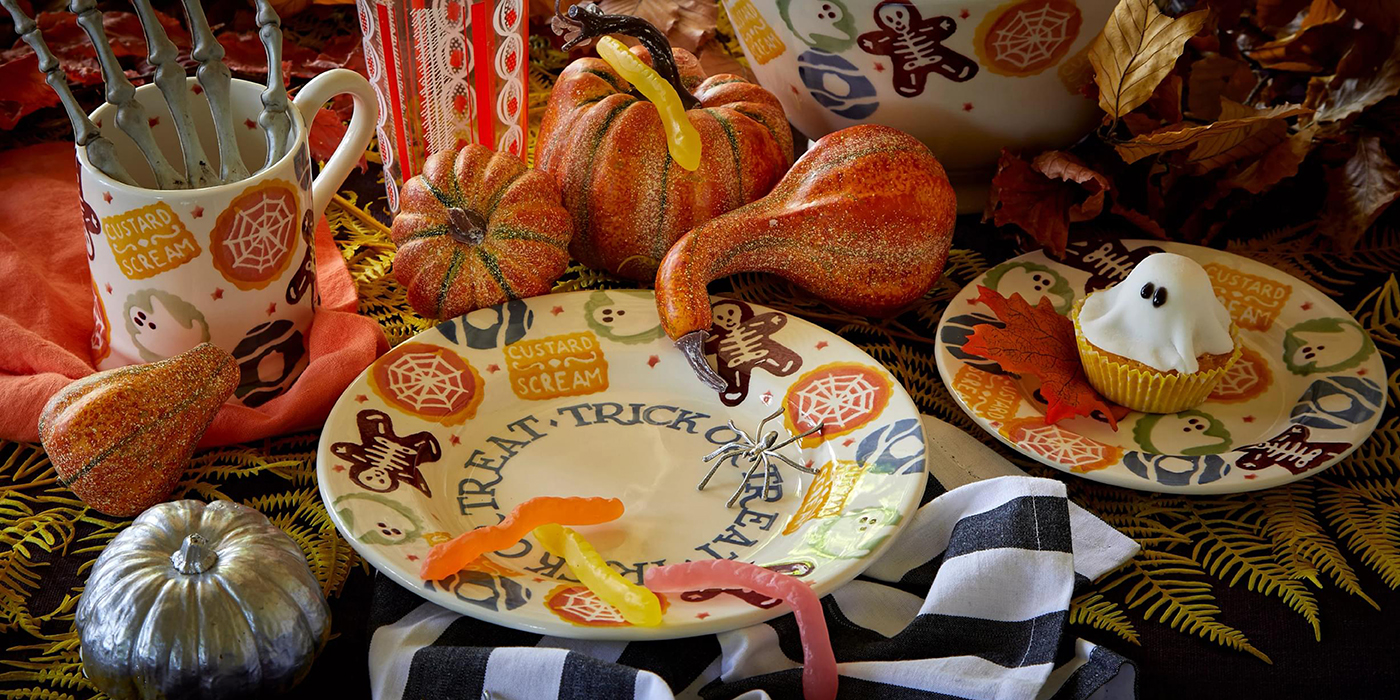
450, 557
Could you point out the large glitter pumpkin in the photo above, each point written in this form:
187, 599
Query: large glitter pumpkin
606, 146
476, 229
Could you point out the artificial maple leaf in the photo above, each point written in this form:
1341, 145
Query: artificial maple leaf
1358, 192
1242, 131
1038, 341
1214, 77
327, 130
687, 24
1135, 51
1042, 197
1360, 81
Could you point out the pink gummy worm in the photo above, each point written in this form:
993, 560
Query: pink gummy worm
819, 675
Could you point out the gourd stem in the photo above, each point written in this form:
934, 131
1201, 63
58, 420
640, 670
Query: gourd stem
692, 347
194, 556
593, 23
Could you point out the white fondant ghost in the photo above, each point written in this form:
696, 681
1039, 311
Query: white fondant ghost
1163, 315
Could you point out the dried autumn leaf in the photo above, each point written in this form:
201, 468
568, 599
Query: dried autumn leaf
1381, 14
1165, 101
1358, 192
1314, 48
1137, 48
1277, 164
1214, 77
1140, 220
1242, 131
1038, 341
1277, 13
1043, 197
327, 129
1360, 82
687, 24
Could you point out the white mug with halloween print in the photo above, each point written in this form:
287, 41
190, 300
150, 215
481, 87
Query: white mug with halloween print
232, 264
966, 77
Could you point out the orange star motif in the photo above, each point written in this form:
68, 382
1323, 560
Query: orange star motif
964, 14
493, 368
272, 308
108, 286
413, 557
967, 106
107, 197
338, 468
557, 310
217, 294
250, 123
197, 89
197, 212
821, 344
701, 616
1307, 306
361, 398
653, 360
153, 121
455, 440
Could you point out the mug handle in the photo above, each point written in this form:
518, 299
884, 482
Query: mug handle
309, 100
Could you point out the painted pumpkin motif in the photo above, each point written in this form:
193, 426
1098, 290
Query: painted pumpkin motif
478, 228
607, 148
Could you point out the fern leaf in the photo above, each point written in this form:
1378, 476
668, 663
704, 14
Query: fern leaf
1232, 550
1096, 611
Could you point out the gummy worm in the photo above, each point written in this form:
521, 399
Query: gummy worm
450, 557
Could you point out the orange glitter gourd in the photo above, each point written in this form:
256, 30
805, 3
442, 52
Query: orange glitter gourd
607, 148
478, 228
121, 438
863, 221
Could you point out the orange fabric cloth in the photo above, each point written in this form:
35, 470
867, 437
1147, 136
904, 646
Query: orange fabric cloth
46, 310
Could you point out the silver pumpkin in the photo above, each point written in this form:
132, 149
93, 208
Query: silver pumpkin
203, 601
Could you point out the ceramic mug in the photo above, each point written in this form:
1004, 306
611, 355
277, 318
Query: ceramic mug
966, 77
231, 264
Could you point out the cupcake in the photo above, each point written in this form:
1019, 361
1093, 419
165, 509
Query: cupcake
1159, 340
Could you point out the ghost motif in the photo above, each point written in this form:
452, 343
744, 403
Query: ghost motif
1164, 315
827, 25
382, 460
852, 535
378, 520
162, 325
1191, 433
915, 48
1325, 345
741, 342
1033, 282
610, 320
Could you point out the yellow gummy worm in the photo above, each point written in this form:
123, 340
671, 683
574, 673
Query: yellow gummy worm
638, 605
682, 140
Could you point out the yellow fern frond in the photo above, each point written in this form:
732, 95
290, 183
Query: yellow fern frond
1233, 551
1354, 510
1096, 611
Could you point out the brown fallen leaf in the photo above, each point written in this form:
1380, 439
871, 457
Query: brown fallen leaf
1277, 13
1042, 197
1314, 48
1214, 77
1242, 131
1278, 163
1358, 192
1137, 48
1381, 14
1140, 220
687, 24
1165, 101
1360, 82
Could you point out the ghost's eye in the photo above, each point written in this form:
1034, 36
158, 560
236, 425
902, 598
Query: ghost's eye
1147, 290
1160, 297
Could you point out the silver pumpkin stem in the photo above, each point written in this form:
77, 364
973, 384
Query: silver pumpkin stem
131, 116
170, 78
275, 121
194, 556
100, 151
215, 78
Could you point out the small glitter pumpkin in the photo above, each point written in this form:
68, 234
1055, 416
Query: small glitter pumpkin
476, 229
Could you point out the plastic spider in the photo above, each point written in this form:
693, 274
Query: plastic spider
759, 453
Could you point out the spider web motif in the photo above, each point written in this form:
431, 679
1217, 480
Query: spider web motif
1241, 377
1031, 37
586, 606
1060, 445
259, 235
426, 382
836, 400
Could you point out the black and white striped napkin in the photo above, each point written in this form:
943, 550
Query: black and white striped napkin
971, 601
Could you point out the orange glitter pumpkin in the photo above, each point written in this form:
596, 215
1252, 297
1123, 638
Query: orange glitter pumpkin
606, 146
478, 228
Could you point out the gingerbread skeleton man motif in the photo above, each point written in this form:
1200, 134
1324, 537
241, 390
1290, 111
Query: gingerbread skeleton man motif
742, 342
383, 460
1293, 449
914, 45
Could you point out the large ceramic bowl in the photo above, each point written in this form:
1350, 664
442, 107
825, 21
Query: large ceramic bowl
968, 77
